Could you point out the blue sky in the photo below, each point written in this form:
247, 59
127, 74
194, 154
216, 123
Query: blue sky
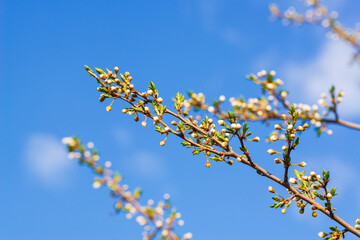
207, 46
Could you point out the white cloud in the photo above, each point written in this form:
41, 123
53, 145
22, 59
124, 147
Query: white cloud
330, 66
46, 158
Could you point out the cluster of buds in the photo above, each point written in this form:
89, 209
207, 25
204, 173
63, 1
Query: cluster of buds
288, 137
334, 234
317, 13
271, 104
153, 217
200, 134
279, 201
314, 186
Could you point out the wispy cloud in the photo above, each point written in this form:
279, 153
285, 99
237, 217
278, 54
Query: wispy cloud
46, 158
330, 66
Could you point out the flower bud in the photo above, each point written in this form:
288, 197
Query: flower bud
108, 108
274, 138
292, 181
256, 139
357, 227
299, 128
283, 117
283, 211
103, 76
271, 151
284, 148
358, 221
271, 189
238, 159
302, 164
221, 122
277, 127
329, 196
127, 74
305, 125
208, 164
314, 214
322, 234
136, 118
277, 160
143, 123
162, 143
290, 127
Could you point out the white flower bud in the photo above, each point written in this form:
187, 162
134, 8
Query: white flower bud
211, 109
302, 164
322, 234
221, 122
292, 181
271, 151
274, 138
329, 196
